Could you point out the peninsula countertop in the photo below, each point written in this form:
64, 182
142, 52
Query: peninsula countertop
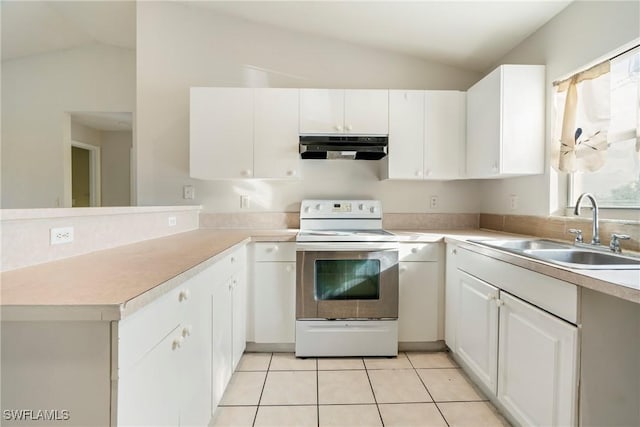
109, 284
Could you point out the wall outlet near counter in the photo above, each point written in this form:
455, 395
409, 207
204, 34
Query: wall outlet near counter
513, 202
172, 221
433, 202
60, 235
244, 202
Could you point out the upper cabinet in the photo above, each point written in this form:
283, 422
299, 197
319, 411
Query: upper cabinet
426, 135
238, 133
344, 111
505, 123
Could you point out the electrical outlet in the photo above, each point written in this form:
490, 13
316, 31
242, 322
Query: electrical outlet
244, 202
513, 202
188, 192
61, 235
172, 221
433, 202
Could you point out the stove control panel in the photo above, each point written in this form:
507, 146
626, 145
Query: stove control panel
325, 209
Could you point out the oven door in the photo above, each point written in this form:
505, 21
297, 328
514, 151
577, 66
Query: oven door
347, 281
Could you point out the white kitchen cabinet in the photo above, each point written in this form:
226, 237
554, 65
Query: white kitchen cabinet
452, 285
526, 357
229, 321
344, 111
164, 375
537, 373
444, 134
421, 299
426, 135
274, 293
406, 135
477, 328
276, 153
240, 133
505, 123
221, 133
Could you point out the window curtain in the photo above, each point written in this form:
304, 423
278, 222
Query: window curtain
582, 104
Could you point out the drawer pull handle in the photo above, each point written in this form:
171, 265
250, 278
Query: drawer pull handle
183, 295
186, 331
177, 343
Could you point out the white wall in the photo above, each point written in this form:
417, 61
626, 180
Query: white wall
583, 32
36, 92
180, 46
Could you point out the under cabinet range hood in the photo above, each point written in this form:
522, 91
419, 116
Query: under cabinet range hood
343, 147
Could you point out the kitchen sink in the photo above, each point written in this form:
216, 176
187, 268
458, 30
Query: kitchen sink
565, 254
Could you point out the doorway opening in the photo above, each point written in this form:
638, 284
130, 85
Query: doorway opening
85, 175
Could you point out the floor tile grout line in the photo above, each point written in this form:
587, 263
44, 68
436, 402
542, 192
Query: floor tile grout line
255, 416
317, 393
375, 400
428, 392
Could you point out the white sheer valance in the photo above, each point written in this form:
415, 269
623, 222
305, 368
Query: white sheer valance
582, 103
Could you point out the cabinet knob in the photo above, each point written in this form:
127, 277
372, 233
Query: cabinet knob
349, 128
177, 343
499, 302
289, 268
246, 172
428, 172
186, 331
414, 250
233, 260
418, 173
494, 168
291, 173
273, 248
338, 128
403, 269
183, 295
454, 251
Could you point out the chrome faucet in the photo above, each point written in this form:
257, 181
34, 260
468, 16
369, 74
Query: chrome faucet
596, 228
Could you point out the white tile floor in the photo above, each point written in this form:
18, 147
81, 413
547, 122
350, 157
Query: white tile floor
413, 389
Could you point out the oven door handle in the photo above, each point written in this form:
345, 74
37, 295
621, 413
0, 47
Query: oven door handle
347, 246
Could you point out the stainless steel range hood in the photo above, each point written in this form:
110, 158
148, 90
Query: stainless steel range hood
343, 147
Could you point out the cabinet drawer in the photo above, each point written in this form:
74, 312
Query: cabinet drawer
275, 251
419, 252
144, 329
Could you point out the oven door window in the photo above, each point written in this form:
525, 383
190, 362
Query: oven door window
347, 279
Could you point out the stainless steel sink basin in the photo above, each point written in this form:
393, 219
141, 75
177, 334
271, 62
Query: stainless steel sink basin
578, 258
565, 254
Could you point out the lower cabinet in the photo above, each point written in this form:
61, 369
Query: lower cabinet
477, 337
177, 354
538, 358
274, 293
421, 293
524, 356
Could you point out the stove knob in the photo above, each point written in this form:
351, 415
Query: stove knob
361, 206
307, 209
373, 209
318, 206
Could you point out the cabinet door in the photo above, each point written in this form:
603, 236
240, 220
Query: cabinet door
452, 285
444, 134
195, 362
149, 391
322, 111
538, 365
406, 134
221, 133
484, 117
477, 329
239, 319
366, 111
276, 133
274, 302
418, 310
222, 364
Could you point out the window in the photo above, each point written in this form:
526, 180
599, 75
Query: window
617, 183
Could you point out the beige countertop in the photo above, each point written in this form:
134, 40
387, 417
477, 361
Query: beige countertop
109, 284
